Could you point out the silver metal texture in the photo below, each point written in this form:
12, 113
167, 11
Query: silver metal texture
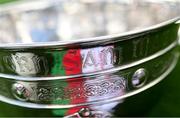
139, 78
104, 88
88, 52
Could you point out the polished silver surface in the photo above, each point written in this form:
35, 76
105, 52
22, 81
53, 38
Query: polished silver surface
105, 35
91, 70
86, 112
20, 91
93, 90
139, 78
61, 22
65, 54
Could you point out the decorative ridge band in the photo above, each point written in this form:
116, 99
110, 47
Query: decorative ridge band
105, 71
164, 68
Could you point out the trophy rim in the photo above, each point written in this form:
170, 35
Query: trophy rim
127, 35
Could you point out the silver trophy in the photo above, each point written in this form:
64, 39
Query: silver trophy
83, 58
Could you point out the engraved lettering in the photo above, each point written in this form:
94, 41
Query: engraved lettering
147, 46
89, 60
26, 63
140, 47
99, 58
108, 56
135, 47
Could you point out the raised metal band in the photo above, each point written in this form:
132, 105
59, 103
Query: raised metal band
95, 89
111, 68
38, 59
99, 67
41, 62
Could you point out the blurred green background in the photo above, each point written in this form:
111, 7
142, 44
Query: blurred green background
164, 102
4, 1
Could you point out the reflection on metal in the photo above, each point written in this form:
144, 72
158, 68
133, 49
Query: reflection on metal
97, 89
26, 63
86, 112
104, 71
179, 34
139, 78
86, 56
53, 20
104, 90
20, 92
